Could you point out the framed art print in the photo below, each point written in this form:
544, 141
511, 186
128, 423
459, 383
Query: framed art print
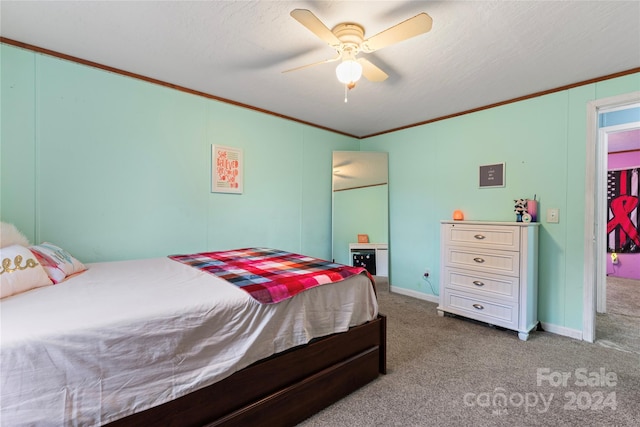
492, 175
226, 169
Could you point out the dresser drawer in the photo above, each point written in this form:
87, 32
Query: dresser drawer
500, 262
489, 237
468, 305
482, 284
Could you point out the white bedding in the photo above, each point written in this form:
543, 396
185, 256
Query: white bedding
126, 336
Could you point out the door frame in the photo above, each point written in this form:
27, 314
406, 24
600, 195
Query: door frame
602, 209
595, 208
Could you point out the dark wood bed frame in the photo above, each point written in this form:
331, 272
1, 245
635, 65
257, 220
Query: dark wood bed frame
282, 390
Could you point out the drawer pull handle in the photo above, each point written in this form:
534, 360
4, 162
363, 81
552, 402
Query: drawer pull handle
479, 260
478, 283
478, 306
479, 236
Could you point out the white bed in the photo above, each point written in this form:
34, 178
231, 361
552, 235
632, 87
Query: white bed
126, 336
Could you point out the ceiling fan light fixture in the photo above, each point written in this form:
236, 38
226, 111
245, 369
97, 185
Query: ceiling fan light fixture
349, 72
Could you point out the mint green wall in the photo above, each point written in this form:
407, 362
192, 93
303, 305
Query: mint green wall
367, 214
112, 168
433, 170
115, 168
17, 151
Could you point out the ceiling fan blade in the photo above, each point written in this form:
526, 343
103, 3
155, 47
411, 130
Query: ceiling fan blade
412, 27
338, 175
302, 67
342, 164
313, 24
371, 72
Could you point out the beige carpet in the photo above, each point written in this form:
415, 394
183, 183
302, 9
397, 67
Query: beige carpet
447, 371
619, 327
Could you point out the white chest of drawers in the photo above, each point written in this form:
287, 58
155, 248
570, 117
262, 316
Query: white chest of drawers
489, 272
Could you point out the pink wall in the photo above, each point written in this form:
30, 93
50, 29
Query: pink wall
628, 265
624, 160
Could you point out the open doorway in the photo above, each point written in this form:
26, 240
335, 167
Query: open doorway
618, 296
596, 211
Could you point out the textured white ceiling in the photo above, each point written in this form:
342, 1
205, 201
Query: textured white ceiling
478, 52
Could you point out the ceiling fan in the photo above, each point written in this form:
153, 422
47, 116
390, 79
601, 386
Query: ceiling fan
348, 41
338, 170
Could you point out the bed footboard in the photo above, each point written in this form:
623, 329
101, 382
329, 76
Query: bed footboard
281, 390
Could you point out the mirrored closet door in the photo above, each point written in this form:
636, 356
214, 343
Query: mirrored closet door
361, 208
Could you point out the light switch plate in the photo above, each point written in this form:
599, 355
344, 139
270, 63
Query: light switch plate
553, 215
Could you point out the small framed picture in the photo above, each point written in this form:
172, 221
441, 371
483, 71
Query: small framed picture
226, 169
492, 175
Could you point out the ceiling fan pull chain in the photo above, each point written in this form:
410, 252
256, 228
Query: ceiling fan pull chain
345, 94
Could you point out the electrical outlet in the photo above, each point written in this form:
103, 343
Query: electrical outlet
553, 215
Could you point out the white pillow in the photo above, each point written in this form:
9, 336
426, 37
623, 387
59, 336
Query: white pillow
10, 235
20, 271
57, 262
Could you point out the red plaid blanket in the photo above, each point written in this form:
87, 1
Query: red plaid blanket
269, 275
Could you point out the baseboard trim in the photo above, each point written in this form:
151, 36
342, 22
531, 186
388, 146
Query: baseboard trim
562, 330
415, 294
